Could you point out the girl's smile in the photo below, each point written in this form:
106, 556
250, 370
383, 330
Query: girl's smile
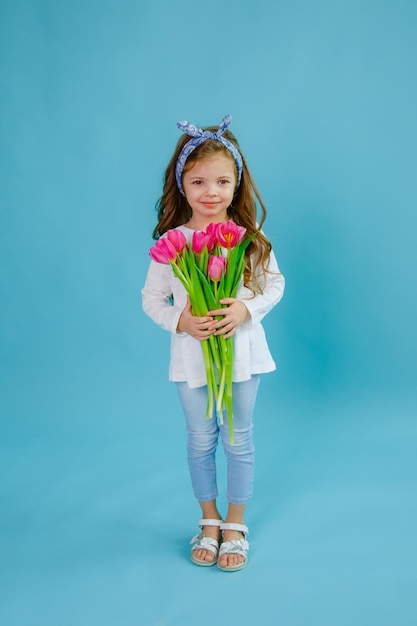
209, 188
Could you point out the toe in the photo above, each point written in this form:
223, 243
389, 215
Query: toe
203, 555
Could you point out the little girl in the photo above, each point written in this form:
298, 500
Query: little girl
208, 181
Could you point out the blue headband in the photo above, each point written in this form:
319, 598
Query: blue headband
199, 136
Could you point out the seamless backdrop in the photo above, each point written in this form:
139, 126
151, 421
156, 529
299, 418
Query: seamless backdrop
96, 506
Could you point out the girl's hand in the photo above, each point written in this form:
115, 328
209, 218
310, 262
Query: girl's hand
197, 327
234, 314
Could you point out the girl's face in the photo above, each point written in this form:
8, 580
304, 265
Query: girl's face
209, 187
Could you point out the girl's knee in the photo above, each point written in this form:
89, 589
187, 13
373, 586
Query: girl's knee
242, 446
200, 443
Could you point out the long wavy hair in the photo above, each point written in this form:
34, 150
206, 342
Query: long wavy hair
173, 209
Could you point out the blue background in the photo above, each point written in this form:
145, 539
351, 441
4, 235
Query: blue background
96, 505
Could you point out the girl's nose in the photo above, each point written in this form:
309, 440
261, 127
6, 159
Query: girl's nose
211, 190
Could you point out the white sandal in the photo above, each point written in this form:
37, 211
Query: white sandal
236, 546
200, 542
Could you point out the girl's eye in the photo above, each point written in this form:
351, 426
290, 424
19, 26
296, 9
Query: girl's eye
196, 182
223, 182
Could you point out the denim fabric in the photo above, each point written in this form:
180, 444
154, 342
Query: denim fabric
203, 435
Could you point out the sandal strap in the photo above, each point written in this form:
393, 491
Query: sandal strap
210, 522
231, 526
200, 542
236, 546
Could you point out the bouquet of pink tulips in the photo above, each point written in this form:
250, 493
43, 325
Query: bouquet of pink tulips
210, 268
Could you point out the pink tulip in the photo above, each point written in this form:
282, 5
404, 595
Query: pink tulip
216, 267
229, 234
178, 240
201, 240
163, 251
212, 231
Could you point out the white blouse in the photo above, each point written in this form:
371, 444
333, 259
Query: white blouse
164, 299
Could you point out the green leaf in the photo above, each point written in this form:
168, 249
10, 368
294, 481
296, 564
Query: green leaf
208, 292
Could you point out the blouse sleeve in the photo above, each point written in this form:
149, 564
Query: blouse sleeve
157, 297
262, 303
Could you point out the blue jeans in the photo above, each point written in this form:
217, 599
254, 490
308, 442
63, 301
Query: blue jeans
203, 435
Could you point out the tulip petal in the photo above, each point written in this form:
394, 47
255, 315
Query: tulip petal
216, 267
163, 251
229, 234
178, 239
